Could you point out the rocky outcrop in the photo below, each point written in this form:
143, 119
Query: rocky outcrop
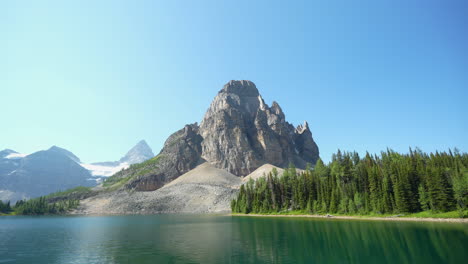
239, 133
181, 153
305, 145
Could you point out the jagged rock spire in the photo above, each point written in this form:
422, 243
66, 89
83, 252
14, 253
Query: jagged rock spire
240, 132
302, 128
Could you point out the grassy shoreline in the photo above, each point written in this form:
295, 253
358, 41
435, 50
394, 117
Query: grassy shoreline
449, 217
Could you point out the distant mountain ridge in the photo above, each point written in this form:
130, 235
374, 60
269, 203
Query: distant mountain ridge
40, 173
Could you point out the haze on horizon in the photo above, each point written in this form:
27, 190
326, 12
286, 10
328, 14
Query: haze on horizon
96, 77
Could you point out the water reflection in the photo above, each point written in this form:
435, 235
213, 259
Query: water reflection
224, 239
342, 241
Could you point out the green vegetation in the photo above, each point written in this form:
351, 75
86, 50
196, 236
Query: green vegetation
415, 185
115, 182
5, 208
38, 206
80, 190
54, 203
135, 170
430, 214
423, 214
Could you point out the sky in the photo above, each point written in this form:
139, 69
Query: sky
95, 77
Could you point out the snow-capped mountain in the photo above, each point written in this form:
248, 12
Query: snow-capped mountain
24, 176
9, 161
40, 173
11, 154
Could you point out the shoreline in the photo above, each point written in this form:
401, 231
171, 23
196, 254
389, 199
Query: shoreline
411, 219
331, 217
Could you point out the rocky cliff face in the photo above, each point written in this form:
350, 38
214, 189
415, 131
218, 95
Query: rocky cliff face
238, 133
181, 153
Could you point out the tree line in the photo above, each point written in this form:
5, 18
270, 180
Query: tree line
382, 184
38, 206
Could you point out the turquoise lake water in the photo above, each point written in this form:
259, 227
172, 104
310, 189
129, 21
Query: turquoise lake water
227, 239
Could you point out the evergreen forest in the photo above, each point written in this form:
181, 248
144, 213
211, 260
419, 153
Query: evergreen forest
389, 183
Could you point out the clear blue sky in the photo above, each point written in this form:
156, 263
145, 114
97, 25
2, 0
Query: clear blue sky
95, 77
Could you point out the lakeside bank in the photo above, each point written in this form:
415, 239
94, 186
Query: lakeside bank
388, 218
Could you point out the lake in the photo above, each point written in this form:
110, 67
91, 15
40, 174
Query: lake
226, 239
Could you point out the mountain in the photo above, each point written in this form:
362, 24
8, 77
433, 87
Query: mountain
40, 173
239, 133
139, 153
201, 167
8, 161
43, 172
64, 152
6, 153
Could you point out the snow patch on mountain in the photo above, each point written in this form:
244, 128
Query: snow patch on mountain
16, 156
105, 171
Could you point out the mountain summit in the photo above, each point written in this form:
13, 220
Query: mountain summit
65, 152
139, 153
239, 133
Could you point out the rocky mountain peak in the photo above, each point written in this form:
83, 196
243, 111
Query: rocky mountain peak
62, 151
240, 132
275, 107
240, 88
276, 114
238, 98
139, 153
300, 129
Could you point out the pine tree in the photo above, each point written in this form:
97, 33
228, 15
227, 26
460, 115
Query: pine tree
423, 198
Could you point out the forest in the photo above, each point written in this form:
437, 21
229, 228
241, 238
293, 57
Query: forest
5, 208
38, 206
389, 183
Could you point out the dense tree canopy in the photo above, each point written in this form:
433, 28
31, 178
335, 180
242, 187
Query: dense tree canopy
40, 206
5, 208
389, 183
